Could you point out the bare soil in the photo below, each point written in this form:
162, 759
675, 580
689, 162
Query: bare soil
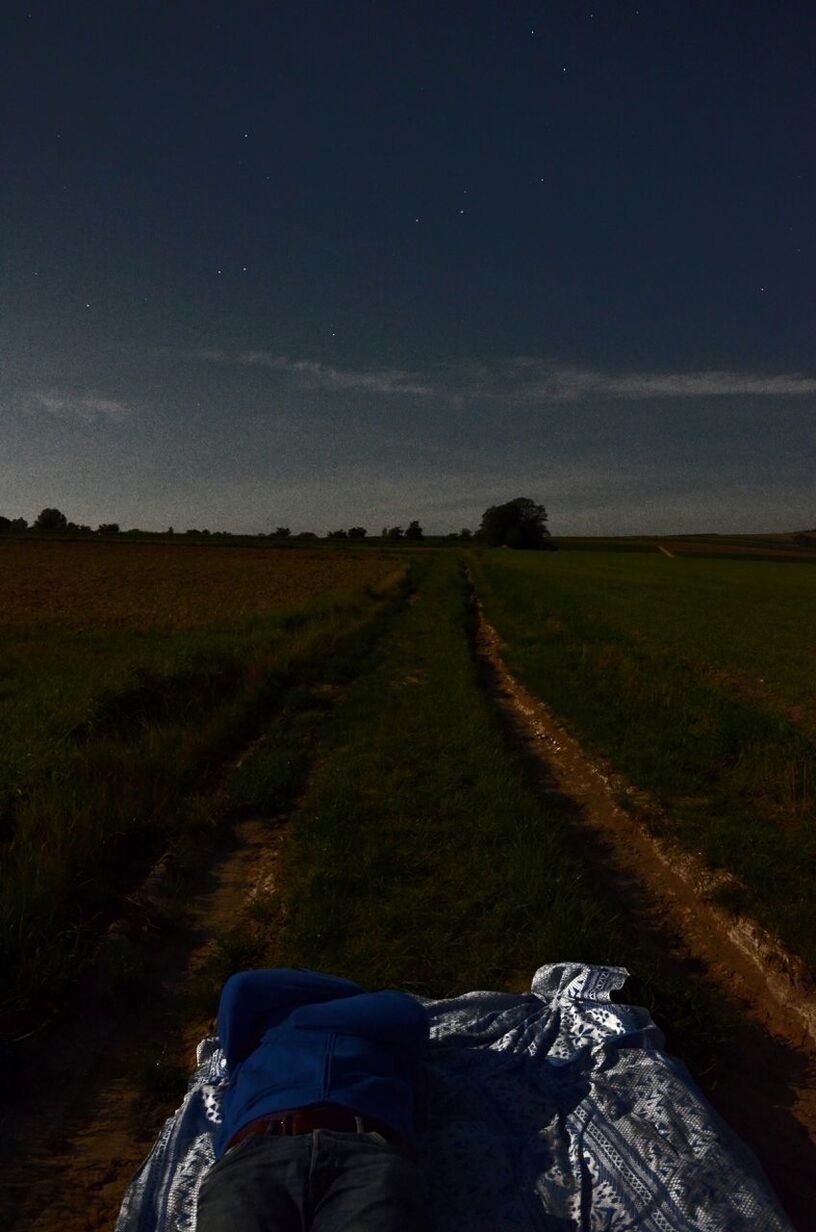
769, 551
764, 1085
60, 586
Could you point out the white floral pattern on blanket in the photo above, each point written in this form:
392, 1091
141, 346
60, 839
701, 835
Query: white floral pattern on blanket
552, 1111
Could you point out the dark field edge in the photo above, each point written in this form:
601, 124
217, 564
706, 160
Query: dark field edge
783, 553
736, 781
150, 771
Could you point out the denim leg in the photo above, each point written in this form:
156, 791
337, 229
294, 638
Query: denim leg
363, 1183
259, 1186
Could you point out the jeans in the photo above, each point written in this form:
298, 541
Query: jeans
327, 1180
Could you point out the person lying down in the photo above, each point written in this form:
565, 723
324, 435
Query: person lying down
324, 1106
318, 1116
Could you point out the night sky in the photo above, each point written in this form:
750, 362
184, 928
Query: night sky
321, 264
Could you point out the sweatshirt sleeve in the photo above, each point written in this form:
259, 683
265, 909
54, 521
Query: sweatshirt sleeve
254, 1001
386, 1017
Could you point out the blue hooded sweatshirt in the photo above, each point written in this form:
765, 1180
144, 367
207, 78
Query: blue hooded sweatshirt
293, 1037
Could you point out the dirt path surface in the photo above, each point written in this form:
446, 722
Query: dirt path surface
72, 1143
765, 1088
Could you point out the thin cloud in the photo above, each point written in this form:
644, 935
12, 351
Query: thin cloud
315, 374
88, 407
531, 380
523, 380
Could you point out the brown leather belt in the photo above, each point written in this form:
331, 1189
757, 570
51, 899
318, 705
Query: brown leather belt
318, 1116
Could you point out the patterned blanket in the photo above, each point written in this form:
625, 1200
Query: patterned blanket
552, 1111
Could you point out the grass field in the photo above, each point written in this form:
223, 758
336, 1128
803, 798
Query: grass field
417, 854
697, 680
411, 844
128, 672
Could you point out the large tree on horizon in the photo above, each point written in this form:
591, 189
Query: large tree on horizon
50, 519
519, 523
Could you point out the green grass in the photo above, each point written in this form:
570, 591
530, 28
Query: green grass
419, 853
112, 751
685, 675
421, 857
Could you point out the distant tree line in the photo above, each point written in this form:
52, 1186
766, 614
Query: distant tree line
55, 520
353, 532
519, 523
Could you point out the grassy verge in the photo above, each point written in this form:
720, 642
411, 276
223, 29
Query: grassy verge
126, 766
645, 689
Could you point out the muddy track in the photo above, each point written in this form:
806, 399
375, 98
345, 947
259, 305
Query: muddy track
765, 1084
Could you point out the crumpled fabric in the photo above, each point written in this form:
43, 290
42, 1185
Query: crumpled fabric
551, 1111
